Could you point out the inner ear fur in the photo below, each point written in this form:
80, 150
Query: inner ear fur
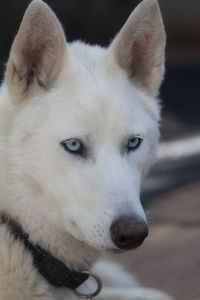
38, 51
139, 48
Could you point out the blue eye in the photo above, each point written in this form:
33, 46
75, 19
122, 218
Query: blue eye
134, 143
73, 146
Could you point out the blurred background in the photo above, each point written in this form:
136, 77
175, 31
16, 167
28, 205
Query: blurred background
170, 259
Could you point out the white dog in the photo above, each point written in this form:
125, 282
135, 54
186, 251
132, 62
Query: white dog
79, 130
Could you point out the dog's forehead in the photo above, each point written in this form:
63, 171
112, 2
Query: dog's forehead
94, 93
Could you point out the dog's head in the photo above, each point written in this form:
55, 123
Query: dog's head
85, 127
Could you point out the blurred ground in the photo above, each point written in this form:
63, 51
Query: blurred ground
170, 258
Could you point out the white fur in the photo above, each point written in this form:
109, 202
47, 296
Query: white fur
66, 203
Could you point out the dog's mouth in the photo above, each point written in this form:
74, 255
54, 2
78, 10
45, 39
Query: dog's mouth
115, 251
119, 251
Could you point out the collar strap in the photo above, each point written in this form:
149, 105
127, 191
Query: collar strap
53, 270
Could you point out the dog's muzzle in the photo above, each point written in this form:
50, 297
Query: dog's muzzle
128, 232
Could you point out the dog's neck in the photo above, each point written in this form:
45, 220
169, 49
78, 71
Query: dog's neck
45, 227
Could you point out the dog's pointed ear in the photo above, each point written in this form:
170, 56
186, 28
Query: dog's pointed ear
38, 52
139, 47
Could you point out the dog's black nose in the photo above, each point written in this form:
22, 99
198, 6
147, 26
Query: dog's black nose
128, 232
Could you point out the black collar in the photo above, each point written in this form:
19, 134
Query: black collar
52, 269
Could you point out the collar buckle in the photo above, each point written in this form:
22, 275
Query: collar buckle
96, 292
